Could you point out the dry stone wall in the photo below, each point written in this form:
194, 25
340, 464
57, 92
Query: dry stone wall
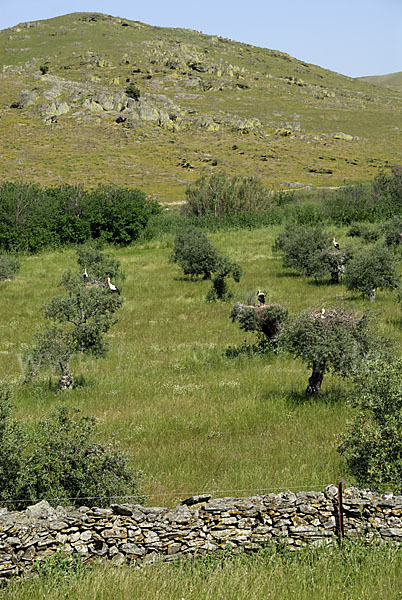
134, 533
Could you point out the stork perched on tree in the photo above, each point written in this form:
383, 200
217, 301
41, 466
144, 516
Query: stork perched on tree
261, 297
112, 287
335, 243
85, 276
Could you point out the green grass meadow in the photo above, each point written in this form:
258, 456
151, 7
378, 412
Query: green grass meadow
192, 419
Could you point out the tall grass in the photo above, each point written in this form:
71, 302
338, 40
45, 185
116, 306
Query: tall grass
191, 418
351, 572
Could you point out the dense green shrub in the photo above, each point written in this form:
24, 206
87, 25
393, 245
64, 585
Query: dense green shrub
224, 268
372, 446
378, 200
58, 459
132, 91
220, 195
371, 269
8, 267
369, 232
33, 218
194, 253
393, 231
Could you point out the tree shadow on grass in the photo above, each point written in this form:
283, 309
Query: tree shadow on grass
333, 395
290, 275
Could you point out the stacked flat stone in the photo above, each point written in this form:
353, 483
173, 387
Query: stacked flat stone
127, 533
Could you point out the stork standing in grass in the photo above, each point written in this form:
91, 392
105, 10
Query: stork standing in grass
261, 298
335, 243
112, 287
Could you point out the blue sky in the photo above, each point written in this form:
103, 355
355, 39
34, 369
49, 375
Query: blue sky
353, 37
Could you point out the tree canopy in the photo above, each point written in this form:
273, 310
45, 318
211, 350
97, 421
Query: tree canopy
372, 445
336, 340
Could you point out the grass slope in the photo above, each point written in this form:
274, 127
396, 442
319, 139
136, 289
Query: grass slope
208, 89
191, 418
392, 80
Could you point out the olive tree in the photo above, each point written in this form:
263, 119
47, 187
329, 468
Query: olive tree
309, 251
78, 321
372, 445
371, 269
333, 340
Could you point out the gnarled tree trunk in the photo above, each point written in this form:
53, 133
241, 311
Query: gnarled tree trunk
315, 380
334, 277
67, 379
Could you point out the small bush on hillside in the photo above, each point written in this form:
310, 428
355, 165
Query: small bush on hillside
132, 91
44, 69
219, 196
8, 267
372, 446
371, 269
194, 253
59, 460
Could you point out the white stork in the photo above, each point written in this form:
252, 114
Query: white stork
261, 297
112, 287
85, 276
335, 243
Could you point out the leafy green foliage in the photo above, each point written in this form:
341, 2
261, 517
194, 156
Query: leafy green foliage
376, 201
44, 69
194, 253
372, 445
337, 341
97, 264
132, 91
393, 231
79, 318
309, 250
224, 268
13, 439
33, 218
368, 232
8, 267
220, 195
370, 269
58, 459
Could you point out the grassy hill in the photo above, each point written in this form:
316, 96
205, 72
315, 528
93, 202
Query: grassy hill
392, 80
207, 103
